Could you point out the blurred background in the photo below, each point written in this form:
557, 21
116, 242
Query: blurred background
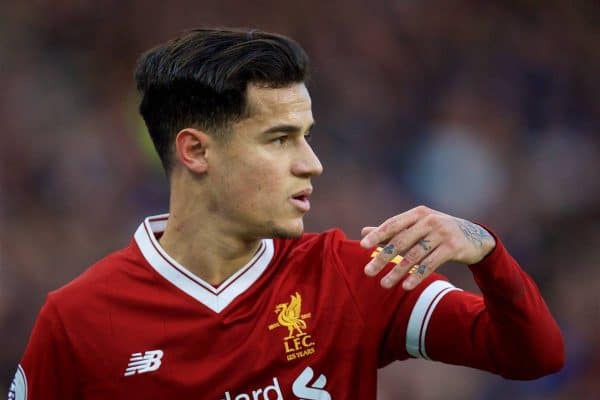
487, 110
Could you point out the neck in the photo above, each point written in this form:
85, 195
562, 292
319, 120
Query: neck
197, 243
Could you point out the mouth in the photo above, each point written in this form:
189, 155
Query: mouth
301, 200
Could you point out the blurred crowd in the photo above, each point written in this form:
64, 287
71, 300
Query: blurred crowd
486, 110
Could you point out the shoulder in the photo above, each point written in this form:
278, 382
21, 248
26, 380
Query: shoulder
332, 241
110, 273
331, 249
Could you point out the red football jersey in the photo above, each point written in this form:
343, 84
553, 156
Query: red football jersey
299, 321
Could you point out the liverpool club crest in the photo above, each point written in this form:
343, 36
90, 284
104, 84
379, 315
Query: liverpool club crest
297, 343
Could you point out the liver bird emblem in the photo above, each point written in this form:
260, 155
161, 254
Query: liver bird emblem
288, 315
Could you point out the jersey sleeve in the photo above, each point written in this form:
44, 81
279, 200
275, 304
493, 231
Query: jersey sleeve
47, 369
508, 331
385, 313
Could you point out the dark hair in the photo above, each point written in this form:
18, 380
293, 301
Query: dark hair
200, 78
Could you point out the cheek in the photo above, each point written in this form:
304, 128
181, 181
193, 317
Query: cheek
265, 189
255, 187
254, 181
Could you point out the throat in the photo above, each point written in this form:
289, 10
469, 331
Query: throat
213, 264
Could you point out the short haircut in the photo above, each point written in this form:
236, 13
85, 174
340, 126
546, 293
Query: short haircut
200, 79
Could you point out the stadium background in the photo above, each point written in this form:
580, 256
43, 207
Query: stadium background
482, 109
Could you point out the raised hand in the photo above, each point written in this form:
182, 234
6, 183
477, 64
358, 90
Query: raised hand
426, 239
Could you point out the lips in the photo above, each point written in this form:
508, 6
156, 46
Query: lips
300, 199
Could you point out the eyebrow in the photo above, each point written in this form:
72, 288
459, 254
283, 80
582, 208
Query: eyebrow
287, 128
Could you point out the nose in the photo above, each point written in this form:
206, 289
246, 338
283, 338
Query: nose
307, 163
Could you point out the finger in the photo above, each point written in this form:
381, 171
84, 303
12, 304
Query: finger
417, 235
393, 225
420, 250
420, 234
417, 253
399, 244
366, 230
386, 255
394, 276
432, 262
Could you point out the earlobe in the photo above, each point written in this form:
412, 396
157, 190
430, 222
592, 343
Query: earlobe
191, 147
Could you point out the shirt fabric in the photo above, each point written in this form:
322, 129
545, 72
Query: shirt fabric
299, 321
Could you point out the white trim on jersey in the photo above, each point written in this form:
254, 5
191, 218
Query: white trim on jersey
421, 314
214, 298
18, 388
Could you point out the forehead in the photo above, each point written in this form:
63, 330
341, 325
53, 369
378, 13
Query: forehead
290, 104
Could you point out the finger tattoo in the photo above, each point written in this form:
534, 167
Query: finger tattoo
425, 244
388, 249
421, 269
473, 232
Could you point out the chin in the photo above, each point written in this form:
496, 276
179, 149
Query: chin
293, 231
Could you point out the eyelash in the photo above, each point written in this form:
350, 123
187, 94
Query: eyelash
282, 140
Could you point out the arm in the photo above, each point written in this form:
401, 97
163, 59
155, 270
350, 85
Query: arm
509, 331
47, 370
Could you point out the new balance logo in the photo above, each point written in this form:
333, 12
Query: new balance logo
139, 364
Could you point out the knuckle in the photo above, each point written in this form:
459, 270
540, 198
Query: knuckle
444, 231
399, 243
381, 230
389, 220
452, 244
388, 224
412, 255
432, 221
379, 238
422, 210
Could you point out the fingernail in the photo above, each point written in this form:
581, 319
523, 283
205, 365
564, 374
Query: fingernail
408, 284
365, 242
369, 270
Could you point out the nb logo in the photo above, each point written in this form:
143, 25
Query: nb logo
139, 364
314, 391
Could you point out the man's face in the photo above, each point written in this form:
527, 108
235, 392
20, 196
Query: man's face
260, 178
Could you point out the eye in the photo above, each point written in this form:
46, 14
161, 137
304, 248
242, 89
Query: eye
281, 140
308, 137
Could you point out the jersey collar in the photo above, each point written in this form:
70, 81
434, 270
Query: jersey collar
214, 298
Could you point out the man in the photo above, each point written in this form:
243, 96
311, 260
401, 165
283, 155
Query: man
226, 297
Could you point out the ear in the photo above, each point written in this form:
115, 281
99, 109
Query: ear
190, 147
